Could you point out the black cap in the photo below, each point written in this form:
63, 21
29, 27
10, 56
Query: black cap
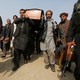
66, 14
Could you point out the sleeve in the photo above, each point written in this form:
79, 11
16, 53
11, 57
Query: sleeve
17, 20
31, 23
58, 33
4, 30
11, 31
8, 32
71, 31
16, 33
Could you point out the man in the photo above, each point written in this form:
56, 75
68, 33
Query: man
21, 39
73, 38
6, 38
63, 27
13, 29
47, 43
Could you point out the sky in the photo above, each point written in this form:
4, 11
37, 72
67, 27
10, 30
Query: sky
8, 8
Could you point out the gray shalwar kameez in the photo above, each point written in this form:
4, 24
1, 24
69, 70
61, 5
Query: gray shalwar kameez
48, 46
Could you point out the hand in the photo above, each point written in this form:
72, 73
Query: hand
7, 38
69, 44
58, 40
69, 48
26, 15
73, 43
1, 38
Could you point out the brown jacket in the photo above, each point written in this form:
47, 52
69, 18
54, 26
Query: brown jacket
65, 25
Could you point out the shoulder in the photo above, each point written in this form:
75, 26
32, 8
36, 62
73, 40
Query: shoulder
53, 22
12, 25
67, 21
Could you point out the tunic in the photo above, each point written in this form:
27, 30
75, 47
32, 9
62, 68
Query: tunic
49, 40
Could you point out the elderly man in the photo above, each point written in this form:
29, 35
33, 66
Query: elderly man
6, 38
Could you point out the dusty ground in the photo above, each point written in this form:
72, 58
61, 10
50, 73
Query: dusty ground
33, 70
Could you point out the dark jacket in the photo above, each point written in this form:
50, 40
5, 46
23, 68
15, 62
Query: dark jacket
74, 27
6, 31
12, 30
22, 34
1, 31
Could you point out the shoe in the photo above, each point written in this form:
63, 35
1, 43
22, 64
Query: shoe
52, 67
3, 56
25, 61
47, 66
29, 58
15, 67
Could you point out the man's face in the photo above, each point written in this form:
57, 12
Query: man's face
48, 15
22, 13
63, 18
8, 21
14, 18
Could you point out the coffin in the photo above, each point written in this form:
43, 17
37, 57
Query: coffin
34, 14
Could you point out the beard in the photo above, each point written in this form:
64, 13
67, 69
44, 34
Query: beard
49, 17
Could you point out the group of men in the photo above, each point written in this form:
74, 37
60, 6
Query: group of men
16, 37
53, 39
